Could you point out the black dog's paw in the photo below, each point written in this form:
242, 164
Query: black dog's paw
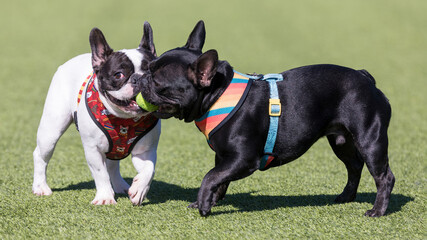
373, 213
204, 213
194, 205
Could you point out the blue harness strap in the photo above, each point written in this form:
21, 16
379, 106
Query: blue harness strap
274, 110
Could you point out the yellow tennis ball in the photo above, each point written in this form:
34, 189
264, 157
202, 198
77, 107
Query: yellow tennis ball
144, 104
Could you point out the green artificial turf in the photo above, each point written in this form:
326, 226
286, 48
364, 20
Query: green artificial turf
386, 37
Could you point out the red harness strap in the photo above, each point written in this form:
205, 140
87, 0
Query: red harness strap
122, 134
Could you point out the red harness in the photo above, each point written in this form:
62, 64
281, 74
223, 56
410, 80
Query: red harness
122, 134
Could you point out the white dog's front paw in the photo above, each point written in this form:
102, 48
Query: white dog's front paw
104, 198
139, 188
41, 189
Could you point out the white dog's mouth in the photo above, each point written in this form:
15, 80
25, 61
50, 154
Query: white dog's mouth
128, 105
124, 99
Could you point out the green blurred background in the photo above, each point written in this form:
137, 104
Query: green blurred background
386, 37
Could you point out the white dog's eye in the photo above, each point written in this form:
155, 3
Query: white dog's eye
119, 75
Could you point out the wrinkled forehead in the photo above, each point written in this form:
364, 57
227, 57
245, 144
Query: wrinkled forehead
139, 58
175, 58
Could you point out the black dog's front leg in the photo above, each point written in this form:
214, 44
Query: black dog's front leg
218, 195
222, 189
215, 183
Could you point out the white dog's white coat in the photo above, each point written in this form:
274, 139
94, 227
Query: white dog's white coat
61, 103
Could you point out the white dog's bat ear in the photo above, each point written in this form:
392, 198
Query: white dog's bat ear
100, 48
196, 40
202, 71
147, 39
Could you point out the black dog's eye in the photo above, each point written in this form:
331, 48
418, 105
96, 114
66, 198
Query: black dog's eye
119, 75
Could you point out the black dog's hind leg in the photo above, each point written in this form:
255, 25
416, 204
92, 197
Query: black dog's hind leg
372, 144
377, 163
384, 180
344, 148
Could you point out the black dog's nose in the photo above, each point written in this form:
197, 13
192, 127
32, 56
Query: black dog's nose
135, 79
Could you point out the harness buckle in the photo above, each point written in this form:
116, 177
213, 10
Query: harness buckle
274, 107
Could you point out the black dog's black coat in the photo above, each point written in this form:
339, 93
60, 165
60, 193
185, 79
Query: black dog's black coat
320, 100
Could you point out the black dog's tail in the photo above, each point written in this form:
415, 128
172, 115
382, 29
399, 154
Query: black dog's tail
367, 74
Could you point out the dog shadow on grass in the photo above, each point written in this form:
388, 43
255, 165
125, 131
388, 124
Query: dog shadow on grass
161, 192
247, 202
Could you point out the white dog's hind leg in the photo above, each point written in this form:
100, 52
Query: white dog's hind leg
54, 122
46, 142
98, 167
41, 160
47, 137
119, 184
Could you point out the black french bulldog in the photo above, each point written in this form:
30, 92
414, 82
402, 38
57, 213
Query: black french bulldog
319, 100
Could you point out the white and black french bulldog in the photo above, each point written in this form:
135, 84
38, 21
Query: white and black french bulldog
340, 103
98, 92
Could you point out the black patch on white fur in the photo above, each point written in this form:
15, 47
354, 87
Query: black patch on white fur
117, 62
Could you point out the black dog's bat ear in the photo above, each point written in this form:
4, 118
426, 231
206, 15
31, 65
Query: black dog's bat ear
202, 71
147, 39
196, 40
100, 48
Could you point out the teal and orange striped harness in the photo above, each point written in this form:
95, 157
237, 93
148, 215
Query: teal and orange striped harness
225, 107
231, 100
